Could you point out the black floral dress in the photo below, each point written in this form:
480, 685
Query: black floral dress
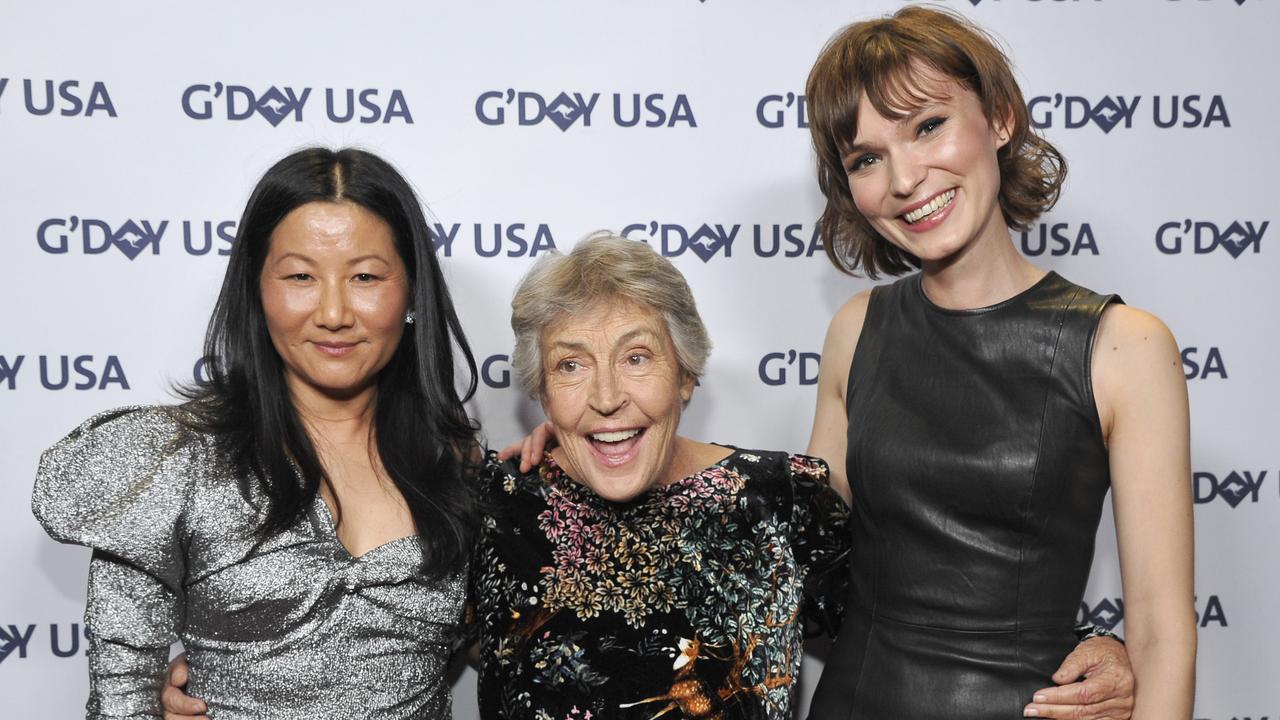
690, 601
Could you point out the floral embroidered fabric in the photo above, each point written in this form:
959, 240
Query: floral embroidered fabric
690, 601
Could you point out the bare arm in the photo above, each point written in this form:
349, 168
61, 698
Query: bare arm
1142, 403
829, 437
1106, 690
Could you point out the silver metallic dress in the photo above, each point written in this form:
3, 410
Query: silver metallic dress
294, 627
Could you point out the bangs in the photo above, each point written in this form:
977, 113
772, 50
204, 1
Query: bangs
898, 73
901, 64
896, 92
896, 85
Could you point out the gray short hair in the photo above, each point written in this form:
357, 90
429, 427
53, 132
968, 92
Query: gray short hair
602, 268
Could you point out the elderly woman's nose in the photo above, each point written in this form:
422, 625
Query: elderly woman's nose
607, 394
333, 307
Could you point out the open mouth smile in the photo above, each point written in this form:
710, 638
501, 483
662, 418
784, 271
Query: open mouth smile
615, 447
940, 202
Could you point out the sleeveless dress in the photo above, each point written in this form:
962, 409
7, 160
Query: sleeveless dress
289, 628
978, 472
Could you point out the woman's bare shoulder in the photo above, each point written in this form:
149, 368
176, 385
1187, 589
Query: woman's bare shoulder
1135, 361
846, 326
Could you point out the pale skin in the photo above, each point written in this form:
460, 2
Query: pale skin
968, 260
611, 369
334, 293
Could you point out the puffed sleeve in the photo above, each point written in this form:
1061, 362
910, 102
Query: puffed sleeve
119, 484
820, 541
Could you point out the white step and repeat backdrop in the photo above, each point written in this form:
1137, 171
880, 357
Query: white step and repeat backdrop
130, 134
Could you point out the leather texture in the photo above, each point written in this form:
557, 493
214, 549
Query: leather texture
978, 471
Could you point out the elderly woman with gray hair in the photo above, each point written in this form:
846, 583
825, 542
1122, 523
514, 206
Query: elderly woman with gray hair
636, 572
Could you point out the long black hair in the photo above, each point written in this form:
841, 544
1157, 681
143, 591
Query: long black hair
424, 439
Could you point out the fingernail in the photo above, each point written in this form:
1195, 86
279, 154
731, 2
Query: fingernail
1040, 698
1031, 712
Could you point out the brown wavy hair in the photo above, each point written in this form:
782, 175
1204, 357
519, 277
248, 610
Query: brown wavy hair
881, 59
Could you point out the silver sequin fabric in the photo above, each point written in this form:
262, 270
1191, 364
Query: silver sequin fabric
293, 627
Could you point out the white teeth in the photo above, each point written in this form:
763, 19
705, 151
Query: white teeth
617, 436
932, 207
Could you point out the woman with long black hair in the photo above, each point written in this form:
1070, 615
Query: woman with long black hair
302, 522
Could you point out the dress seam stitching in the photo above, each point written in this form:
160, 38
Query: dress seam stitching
1035, 472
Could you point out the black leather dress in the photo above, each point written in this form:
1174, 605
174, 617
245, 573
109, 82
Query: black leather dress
978, 472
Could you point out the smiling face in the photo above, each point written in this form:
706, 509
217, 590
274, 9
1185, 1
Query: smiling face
929, 183
614, 391
334, 292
